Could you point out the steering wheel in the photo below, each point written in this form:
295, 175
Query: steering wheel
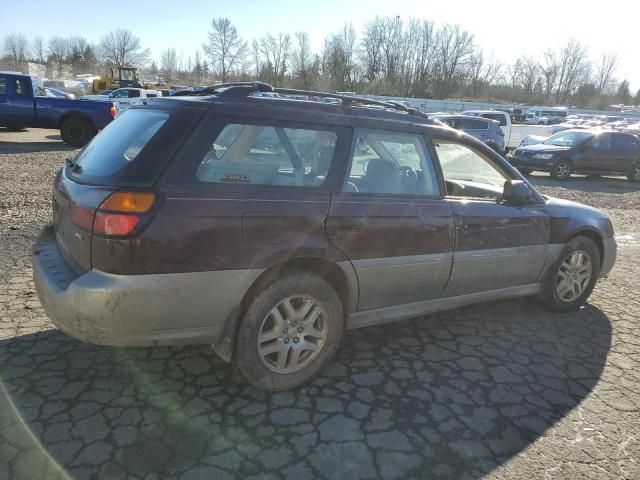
409, 179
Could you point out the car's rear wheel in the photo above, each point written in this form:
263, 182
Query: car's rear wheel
289, 332
76, 132
634, 174
561, 170
571, 279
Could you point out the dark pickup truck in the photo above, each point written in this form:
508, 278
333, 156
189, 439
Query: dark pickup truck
23, 104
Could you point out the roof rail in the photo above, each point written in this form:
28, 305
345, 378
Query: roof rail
243, 89
228, 89
350, 100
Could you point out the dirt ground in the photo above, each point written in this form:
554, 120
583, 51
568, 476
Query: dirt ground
502, 390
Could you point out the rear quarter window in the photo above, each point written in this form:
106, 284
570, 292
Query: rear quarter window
134, 148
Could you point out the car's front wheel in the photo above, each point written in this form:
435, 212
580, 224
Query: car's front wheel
571, 279
289, 332
561, 170
634, 174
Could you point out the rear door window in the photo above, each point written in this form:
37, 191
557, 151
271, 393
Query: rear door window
496, 116
472, 124
624, 142
268, 155
601, 141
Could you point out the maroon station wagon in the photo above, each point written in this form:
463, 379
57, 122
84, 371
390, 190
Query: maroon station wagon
264, 224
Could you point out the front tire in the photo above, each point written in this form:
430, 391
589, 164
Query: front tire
76, 132
571, 279
289, 332
561, 170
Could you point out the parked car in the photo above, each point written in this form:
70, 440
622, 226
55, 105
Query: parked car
23, 104
547, 116
52, 92
266, 226
514, 134
484, 129
599, 152
124, 96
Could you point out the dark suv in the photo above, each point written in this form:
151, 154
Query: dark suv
598, 152
265, 226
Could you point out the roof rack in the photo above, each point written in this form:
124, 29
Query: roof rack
244, 89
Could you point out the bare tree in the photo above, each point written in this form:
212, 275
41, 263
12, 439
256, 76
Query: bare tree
122, 48
483, 72
302, 59
37, 49
604, 73
58, 48
574, 68
550, 70
371, 49
225, 47
339, 60
454, 50
255, 52
276, 50
169, 64
16, 47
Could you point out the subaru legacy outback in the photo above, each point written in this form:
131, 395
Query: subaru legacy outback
267, 225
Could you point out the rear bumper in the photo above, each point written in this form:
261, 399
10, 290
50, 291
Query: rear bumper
136, 310
610, 250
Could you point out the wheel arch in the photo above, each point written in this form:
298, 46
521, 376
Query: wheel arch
593, 235
74, 115
338, 277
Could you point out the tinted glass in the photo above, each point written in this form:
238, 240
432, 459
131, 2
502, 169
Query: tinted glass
134, 148
460, 163
623, 141
392, 163
496, 116
22, 87
3, 86
472, 124
601, 141
134, 93
567, 139
268, 155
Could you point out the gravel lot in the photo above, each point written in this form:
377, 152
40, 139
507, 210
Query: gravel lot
503, 390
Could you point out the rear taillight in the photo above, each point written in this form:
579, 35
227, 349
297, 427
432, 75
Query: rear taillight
113, 111
119, 215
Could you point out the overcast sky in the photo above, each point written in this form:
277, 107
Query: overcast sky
508, 29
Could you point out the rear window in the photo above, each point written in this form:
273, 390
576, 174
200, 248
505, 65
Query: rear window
133, 148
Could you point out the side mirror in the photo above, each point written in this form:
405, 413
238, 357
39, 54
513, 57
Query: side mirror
517, 192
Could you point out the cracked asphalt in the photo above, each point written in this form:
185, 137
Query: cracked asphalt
501, 390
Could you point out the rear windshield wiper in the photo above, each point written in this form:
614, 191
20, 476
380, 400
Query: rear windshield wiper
72, 165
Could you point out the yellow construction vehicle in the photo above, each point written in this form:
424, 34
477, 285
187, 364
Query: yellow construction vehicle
127, 77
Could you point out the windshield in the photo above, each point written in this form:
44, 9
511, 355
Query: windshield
567, 139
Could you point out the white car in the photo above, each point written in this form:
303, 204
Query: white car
124, 96
513, 134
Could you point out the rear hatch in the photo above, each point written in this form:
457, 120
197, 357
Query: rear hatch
130, 154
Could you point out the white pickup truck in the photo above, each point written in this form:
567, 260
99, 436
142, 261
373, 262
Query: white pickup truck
513, 134
125, 96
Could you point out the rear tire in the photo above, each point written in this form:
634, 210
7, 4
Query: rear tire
76, 132
634, 174
561, 170
290, 332
570, 281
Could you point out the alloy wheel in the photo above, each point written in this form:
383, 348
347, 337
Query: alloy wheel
292, 334
574, 276
562, 170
